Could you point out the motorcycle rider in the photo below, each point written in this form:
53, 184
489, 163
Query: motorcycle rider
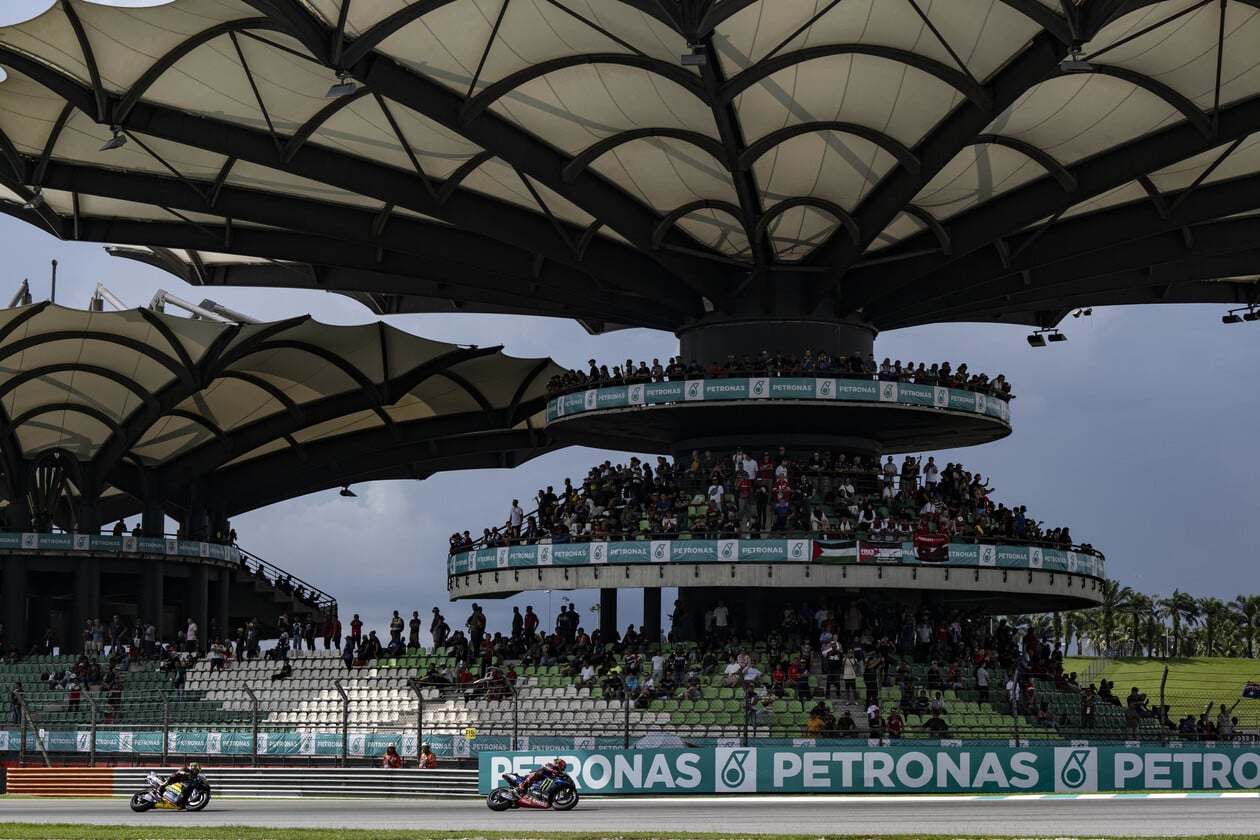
550, 769
188, 775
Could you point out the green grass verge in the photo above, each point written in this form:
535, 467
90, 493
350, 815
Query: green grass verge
1193, 682
31, 831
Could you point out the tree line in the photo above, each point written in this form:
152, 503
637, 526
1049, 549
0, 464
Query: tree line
1131, 623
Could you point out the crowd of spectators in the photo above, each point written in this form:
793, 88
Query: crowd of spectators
806, 364
830, 496
842, 652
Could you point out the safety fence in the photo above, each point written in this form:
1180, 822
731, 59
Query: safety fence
270, 782
835, 767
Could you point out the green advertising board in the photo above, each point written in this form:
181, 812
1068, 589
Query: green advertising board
839, 768
776, 388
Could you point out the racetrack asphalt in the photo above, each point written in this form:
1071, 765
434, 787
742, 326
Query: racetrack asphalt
1084, 816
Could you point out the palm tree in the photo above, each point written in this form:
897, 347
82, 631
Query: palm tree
1056, 623
1179, 606
1139, 607
1215, 617
1114, 601
1247, 610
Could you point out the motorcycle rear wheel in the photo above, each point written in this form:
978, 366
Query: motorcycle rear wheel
197, 800
565, 799
498, 800
141, 803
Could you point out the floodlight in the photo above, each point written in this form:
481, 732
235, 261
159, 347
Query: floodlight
1231, 318
1075, 63
36, 201
694, 60
116, 142
1036, 340
1253, 315
344, 87
1057, 336
348, 493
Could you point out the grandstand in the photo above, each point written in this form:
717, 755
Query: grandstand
386, 699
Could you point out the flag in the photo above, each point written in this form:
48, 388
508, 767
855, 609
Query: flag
931, 548
1252, 691
835, 552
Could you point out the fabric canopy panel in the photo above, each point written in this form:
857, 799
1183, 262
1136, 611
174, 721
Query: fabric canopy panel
140, 399
635, 162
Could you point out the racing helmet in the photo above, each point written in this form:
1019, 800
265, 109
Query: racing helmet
561, 764
194, 768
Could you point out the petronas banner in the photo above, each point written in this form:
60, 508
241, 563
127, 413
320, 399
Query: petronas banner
777, 388
901, 769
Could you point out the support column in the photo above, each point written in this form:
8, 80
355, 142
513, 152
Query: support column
198, 603
222, 600
151, 593
607, 613
652, 614
87, 602
153, 519
15, 613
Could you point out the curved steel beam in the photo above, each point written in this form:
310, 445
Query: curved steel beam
122, 108
461, 172
474, 106
719, 13
89, 59
619, 210
964, 84
21, 378
1039, 156
1183, 104
141, 347
304, 132
87, 410
663, 226
841, 215
591, 153
907, 158
932, 224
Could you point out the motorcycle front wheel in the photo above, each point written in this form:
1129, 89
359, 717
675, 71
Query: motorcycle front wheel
197, 800
498, 800
141, 803
565, 799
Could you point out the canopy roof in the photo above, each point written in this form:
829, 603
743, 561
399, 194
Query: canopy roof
145, 403
911, 161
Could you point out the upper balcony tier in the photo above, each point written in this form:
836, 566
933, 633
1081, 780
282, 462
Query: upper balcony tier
861, 413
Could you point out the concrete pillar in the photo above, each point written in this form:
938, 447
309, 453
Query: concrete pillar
18, 513
15, 613
222, 600
153, 519
608, 613
87, 602
652, 614
152, 595
198, 603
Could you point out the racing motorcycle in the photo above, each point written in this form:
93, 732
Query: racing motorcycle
555, 791
148, 798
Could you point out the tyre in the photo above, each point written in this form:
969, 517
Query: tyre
141, 803
197, 800
498, 800
565, 799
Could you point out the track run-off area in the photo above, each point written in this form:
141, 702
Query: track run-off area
1090, 815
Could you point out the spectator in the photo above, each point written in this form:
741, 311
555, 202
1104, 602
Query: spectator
284, 673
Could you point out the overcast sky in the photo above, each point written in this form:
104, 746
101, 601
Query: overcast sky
1136, 432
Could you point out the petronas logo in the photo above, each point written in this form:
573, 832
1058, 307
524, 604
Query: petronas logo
1073, 773
693, 390
735, 771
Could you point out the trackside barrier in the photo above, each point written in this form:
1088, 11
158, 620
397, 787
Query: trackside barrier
824, 768
248, 782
